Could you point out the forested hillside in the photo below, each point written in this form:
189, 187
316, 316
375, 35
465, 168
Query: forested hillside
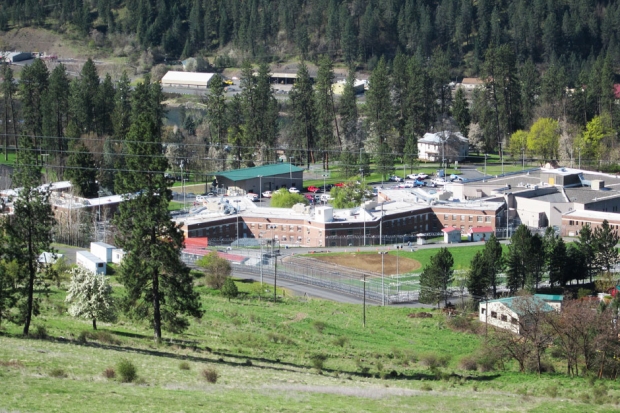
572, 33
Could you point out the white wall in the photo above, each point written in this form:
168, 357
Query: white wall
87, 260
498, 309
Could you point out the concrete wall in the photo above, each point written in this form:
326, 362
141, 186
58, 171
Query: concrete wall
498, 315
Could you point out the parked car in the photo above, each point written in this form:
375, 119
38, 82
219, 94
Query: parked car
339, 184
419, 183
267, 194
293, 190
459, 178
326, 197
252, 197
422, 175
439, 181
395, 178
313, 189
309, 197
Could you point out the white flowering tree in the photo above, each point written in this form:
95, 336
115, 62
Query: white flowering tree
90, 296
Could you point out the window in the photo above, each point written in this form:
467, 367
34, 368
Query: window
462, 217
487, 219
483, 310
260, 226
445, 216
479, 219
252, 225
453, 217
471, 218
504, 317
99, 265
513, 320
493, 314
333, 232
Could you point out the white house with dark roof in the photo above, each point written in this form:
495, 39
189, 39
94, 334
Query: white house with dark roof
511, 313
452, 146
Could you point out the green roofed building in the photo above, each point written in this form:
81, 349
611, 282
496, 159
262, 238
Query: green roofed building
260, 178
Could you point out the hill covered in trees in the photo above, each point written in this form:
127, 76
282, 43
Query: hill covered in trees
572, 33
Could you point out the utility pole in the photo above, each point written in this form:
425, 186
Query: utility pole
364, 304
382, 277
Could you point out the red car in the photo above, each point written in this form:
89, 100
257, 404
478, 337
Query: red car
313, 189
309, 197
339, 184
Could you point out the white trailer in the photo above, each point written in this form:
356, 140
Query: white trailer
102, 250
91, 262
117, 255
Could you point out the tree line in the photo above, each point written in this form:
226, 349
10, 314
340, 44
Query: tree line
529, 260
158, 285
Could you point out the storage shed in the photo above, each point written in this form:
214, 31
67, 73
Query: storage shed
480, 233
102, 250
261, 178
193, 80
451, 235
91, 262
117, 255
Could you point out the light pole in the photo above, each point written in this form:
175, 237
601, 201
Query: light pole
237, 213
182, 184
485, 164
99, 192
363, 207
523, 159
260, 189
382, 277
381, 226
364, 302
443, 154
290, 169
324, 184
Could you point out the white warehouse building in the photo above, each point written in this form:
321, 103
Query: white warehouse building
90, 262
194, 80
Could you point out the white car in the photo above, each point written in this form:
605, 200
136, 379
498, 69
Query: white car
267, 194
252, 197
422, 175
326, 197
395, 178
293, 190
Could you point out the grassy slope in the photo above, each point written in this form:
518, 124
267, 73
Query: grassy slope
280, 379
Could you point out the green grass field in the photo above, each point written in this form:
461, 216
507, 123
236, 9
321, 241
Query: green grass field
262, 352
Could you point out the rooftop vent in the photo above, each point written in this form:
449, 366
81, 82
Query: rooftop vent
598, 184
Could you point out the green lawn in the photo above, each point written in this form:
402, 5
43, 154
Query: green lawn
262, 352
462, 255
10, 160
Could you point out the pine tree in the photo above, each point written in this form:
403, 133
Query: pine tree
229, 289
379, 104
517, 261
158, 284
216, 111
8, 88
29, 232
605, 241
325, 111
436, 278
385, 161
304, 113
82, 171
410, 152
122, 107
586, 243
477, 281
84, 97
56, 115
460, 111
104, 104
348, 113
495, 262
557, 263
33, 86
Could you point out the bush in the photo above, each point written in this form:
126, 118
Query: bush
319, 326
184, 365
229, 289
210, 375
126, 371
40, 332
426, 387
58, 373
468, 363
318, 361
552, 391
583, 292
340, 341
282, 198
279, 338
109, 373
433, 361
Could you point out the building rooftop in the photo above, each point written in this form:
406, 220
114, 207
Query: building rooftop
610, 216
436, 198
587, 195
481, 229
513, 303
177, 76
265, 170
439, 137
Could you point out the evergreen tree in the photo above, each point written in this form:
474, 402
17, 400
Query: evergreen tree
605, 241
104, 104
325, 111
8, 88
557, 263
216, 111
84, 98
410, 152
477, 280
122, 107
33, 87
304, 113
436, 278
348, 113
517, 260
82, 171
29, 232
460, 111
586, 243
229, 289
56, 114
529, 79
378, 103
158, 285
495, 262
385, 161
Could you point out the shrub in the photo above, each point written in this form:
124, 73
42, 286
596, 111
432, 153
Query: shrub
461, 323
584, 398
210, 375
552, 391
318, 361
282, 198
126, 371
184, 365
468, 363
340, 341
426, 387
40, 332
82, 337
109, 373
58, 373
319, 326
229, 289
279, 338
433, 361
583, 292
104, 337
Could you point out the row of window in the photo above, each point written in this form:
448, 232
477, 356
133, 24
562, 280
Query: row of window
502, 317
582, 223
479, 218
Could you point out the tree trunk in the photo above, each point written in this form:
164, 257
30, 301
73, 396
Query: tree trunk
94, 323
156, 309
31, 275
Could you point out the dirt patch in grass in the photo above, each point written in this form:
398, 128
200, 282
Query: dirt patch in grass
372, 262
